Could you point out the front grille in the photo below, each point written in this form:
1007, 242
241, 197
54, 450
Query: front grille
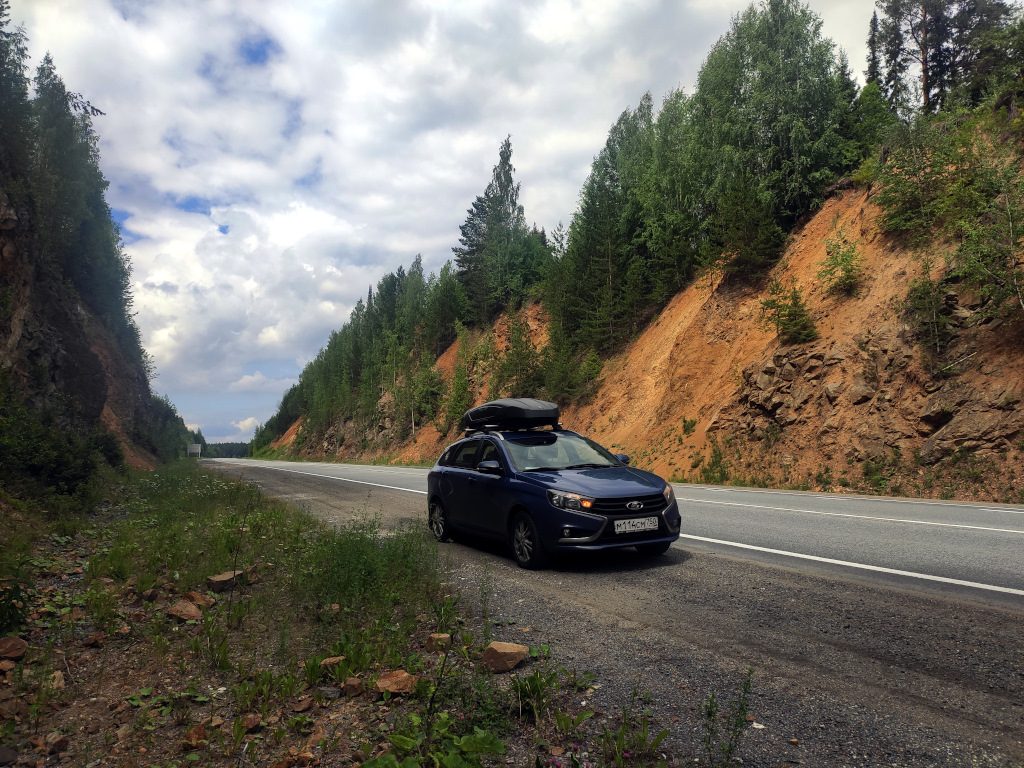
615, 509
608, 507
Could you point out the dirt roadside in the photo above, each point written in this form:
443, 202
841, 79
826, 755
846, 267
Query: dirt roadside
845, 673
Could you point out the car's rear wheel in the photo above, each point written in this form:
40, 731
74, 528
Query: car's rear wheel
526, 544
437, 519
653, 550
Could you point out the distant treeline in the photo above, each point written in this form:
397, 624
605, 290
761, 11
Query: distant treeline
709, 183
50, 170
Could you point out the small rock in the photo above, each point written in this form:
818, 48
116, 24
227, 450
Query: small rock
7, 756
150, 595
501, 657
183, 610
795, 742
201, 600
57, 742
197, 737
95, 639
252, 722
223, 581
331, 661
12, 648
398, 682
302, 704
352, 687
438, 642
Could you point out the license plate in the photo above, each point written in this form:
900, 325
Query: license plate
634, 524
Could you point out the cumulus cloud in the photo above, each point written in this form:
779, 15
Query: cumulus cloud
270, 161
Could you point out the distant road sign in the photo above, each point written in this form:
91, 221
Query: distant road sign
195, 449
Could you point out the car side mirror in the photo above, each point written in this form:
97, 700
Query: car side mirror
623, 458
489, 467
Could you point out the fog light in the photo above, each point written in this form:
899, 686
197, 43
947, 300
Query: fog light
566, 532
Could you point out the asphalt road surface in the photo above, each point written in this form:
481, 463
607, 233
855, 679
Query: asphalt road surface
881, 632
975, 551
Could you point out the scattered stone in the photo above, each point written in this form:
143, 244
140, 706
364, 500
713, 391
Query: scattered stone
438, 641
788, 372
398, 682
303, 704
331, 661
7, 665
834, 356
794, 742
201, 600
12, 648
330, 692
305, 758
223, 581
501, 657
124, 731
861, 391
150, 595
197, 737
7, 756
252, 722
287, 762
353, 687
13, 709
183, 611
57, 742
95, 639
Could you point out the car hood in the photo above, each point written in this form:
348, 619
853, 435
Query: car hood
602, 482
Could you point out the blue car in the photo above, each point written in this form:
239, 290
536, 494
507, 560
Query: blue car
517, 476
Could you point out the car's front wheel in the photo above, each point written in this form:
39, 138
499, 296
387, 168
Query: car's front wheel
437, 518
653, 550
526, 544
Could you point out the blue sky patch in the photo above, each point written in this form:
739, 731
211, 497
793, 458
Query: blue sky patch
120, 217
257, 49
223, 229
193, 204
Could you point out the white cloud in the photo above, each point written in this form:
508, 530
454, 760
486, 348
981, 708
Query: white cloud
359, 142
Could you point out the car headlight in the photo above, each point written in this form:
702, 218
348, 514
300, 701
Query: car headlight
669, 494
564, 500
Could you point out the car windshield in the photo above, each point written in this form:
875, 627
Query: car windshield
539, 451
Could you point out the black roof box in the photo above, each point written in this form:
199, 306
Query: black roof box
512, 413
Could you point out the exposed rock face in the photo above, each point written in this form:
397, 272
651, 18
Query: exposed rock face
786, 389
55, 349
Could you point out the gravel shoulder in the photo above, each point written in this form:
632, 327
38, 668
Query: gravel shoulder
845, 673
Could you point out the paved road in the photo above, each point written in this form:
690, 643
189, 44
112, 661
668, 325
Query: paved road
973, 551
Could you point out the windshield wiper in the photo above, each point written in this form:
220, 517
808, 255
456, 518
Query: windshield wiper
589, 466
543, 469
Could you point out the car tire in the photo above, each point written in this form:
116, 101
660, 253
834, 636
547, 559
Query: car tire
653, 550
437, 519
526, 544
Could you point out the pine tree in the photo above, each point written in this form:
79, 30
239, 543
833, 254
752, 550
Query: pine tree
14, 101
873, 73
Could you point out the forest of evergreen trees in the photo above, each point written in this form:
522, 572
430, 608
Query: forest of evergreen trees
50, 168
710, 181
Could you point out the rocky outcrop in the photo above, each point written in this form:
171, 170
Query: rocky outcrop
858, 394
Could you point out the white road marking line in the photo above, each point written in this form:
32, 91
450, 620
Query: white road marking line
344, 479
862, 566
845, 497
846, 514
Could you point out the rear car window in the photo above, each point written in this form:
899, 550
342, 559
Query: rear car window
464, 454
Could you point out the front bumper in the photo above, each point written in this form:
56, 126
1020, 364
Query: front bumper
588, 532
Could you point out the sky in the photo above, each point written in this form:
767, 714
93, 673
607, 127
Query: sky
269, 162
